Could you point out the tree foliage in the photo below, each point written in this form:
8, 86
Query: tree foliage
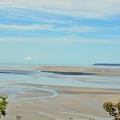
113, 109
3, 104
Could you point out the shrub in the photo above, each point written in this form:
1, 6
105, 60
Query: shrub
113, 109
3, 104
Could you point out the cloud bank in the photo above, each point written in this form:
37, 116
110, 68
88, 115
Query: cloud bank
92, 9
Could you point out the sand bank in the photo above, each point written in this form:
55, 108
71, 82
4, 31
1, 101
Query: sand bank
80, 70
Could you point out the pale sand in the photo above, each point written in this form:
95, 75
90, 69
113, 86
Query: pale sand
72, 102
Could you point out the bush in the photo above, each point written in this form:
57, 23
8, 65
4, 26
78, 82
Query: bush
113, 109
3, 104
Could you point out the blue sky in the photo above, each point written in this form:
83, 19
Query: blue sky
65, 32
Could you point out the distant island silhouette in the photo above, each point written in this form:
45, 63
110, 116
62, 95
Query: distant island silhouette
106, 64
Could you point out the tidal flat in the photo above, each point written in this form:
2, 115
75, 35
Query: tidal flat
59, 92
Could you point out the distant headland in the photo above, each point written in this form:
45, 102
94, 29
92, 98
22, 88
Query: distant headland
106, 64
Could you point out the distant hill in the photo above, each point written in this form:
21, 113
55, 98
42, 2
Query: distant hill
106, 64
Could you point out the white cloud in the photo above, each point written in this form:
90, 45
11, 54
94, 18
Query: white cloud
63, 40
55, 28
76, 39
30, 59
96, 9
49, 27
22, 27
78, 29
31, 16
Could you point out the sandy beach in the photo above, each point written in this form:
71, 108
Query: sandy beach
55, 102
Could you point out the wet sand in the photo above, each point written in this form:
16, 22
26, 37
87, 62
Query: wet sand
48, 102
67, 102
80, 70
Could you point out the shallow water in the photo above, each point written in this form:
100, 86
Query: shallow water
10, 80
44, 78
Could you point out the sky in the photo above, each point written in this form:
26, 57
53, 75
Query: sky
60, 32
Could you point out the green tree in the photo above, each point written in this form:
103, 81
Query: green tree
113, 109
3, 104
